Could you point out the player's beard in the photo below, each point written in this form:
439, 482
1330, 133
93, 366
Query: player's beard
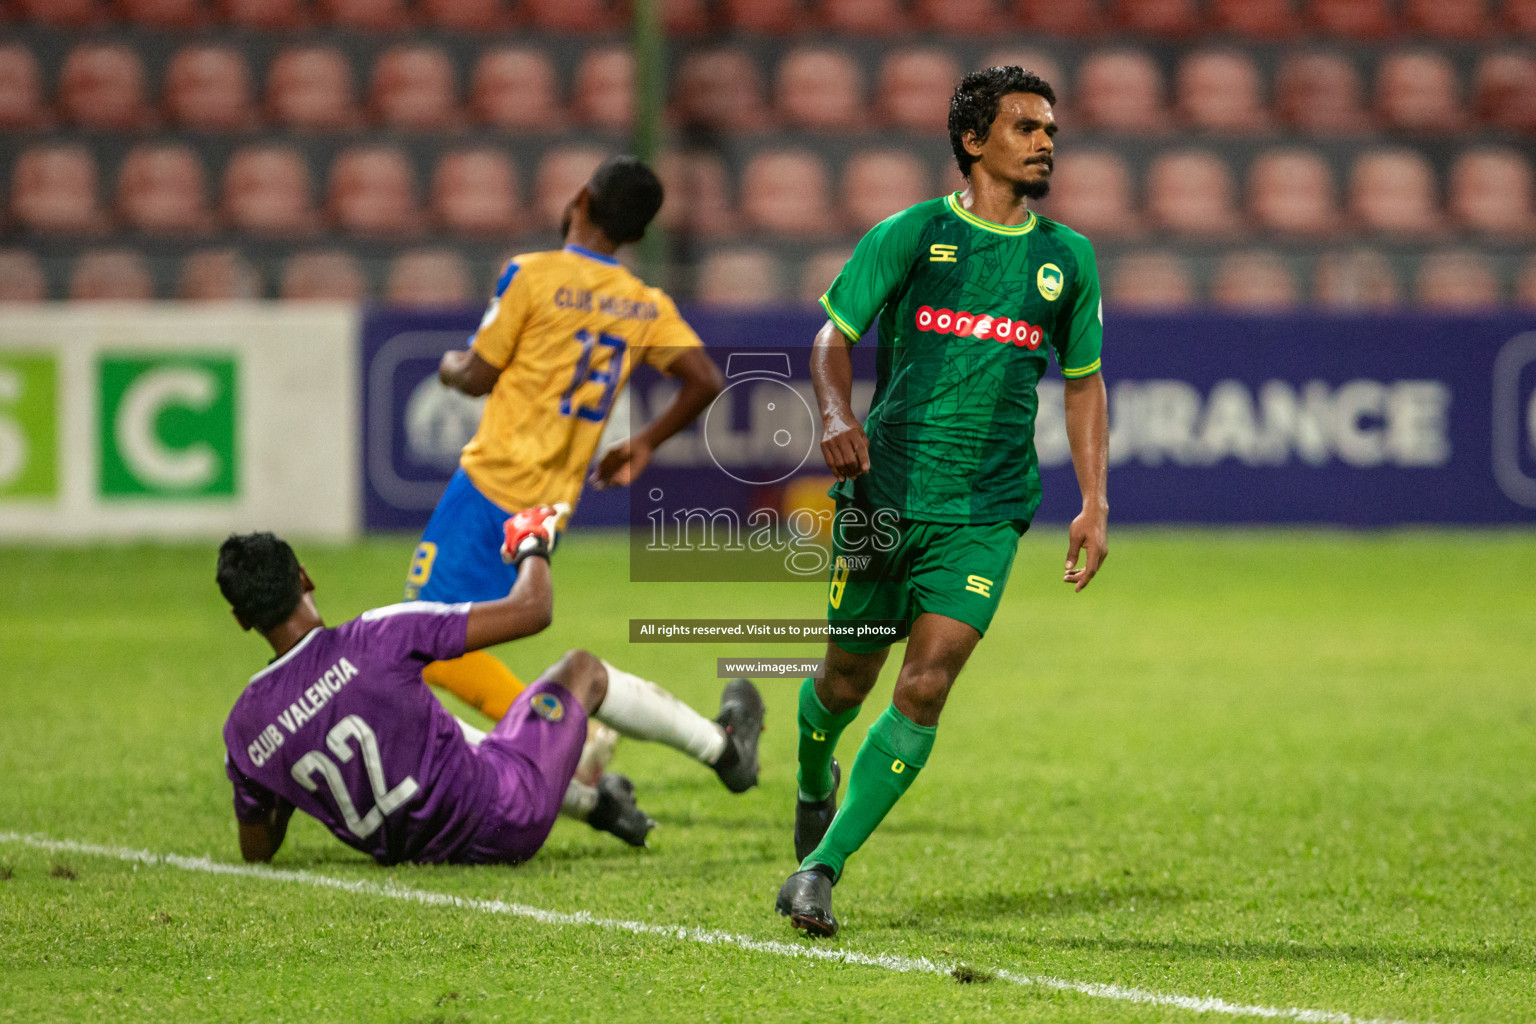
1040, 187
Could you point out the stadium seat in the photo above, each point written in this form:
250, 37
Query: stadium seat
1525, 284
61, 13
785, 192
698, 194
323, 276
1356, 19
1358, 279
561, 174
721, 90
414, 88
218, 275
111, 275
1457, 279
1320, 94
1150, 280
208, 89
764, 17
915, 89
738, 278
515, 88
1255, 19
576, 17
372, 192
1520, 16
267, 192
163, 190
1491, 193
475, 192
1291, 192
686, 17
819, 273
367, 15
820, 88
1257, 281
604, 95
1191, 192
310, 88
1506, 91
1221, 91
961, 18
21, 277
878, 183
466, 15
1121, 91
428, 278
1060, 17
1167, 18
53, 191
22, 105
1449, 19
1040, 62
863, 17
268, 15
1392, 191
1092, 192
1418, 92
173, 14
102, 86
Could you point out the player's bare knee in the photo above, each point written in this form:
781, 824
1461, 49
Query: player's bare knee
923, 689
583, 674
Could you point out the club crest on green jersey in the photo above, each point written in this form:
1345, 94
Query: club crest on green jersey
1049, 280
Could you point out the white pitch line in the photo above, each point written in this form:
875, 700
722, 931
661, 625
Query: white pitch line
703, 936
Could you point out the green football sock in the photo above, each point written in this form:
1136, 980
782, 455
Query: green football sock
819, 730
894, 751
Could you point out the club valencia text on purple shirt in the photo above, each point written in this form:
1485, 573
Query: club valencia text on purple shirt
342, 727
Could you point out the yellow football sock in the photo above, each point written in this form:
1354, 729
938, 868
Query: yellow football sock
479, 680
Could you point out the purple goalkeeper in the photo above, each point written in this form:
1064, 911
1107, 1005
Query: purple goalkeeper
340, 726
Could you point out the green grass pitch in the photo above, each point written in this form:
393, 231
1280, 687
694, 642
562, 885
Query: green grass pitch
1285, 769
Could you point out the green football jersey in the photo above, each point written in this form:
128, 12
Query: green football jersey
968, 311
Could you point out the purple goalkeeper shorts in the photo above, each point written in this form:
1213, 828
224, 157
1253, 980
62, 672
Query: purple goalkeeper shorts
533, 750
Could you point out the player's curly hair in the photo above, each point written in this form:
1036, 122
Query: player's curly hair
973, 108
623, 195
259, 577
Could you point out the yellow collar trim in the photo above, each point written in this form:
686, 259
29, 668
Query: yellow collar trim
986, 225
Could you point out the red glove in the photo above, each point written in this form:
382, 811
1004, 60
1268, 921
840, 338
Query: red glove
532, 532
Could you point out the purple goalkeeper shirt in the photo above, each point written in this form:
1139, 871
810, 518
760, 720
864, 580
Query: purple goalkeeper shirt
342, 727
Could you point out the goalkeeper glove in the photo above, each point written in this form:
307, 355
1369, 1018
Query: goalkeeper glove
532, 532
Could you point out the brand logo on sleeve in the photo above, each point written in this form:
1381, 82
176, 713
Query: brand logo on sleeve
1048, 280
979, 325
979, 585
939, 253
548, 707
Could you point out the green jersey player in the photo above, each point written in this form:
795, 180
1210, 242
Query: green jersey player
972, 293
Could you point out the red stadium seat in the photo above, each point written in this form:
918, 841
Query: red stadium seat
785, 192
1122, 91
163, 190
22, 105
1150, 280
1356, 19
515, 88
426, 278
1255, 281
267, 192
1256, 19
819, 272
1491, 193
1418, 92
414, 88
863, 17
176, 14
367, 15
1506, 91
685, 17
764, 17
467, 15
720, 89
1221, 91
1360, 279
372, 192
1449, 19
1091, 192
1191, 192
820, 88
475, 192
577, 17
1291, 192
1168, 18
604, 95
698, 194
915, 89
218, 275
111, 275
561, 174
878, 183
962, 18
21, 277
102, 86
53, 191
738, 278
323, 276
61, 13
1060, 17
1392, 191
310, 88
1520, 16
1320, 94
208, 89
1458, 280
269, 15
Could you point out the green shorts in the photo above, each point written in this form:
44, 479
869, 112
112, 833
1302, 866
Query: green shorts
898, 569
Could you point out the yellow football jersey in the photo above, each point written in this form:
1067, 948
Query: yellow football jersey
566, 328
